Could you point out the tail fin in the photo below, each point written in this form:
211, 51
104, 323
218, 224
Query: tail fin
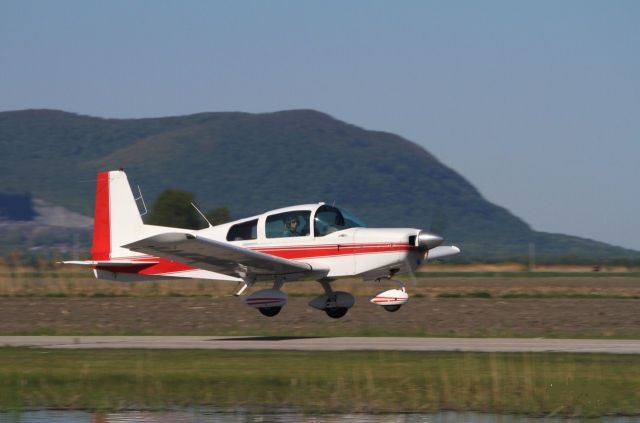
117, 220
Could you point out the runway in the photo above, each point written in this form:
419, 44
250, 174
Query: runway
327, 343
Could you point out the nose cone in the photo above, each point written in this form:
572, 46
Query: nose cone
427, 241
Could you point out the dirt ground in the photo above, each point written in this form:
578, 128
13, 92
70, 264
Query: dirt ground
426, 313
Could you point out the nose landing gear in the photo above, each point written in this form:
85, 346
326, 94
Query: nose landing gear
391, 299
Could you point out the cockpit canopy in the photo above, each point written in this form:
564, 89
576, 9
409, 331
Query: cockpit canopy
296, 222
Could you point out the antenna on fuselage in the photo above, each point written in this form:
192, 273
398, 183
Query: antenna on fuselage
202, 214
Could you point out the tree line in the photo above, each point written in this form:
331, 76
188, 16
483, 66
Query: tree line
173, 208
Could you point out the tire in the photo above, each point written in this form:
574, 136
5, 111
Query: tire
392, 308
336, 312
269, 311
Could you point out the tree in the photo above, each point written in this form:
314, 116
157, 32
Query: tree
219, 215
173, 208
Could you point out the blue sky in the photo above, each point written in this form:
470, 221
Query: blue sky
537, 103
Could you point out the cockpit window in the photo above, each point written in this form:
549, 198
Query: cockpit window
243, 231
330, 219
293, 223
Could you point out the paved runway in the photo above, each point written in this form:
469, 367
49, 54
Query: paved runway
329, 343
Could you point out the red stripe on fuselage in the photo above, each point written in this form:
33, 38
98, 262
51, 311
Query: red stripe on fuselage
287, 252
101, 247
318, 251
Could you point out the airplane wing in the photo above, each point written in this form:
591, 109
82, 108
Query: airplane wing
216, 256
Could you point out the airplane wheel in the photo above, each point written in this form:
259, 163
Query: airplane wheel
392, 308
270, 311
336, 312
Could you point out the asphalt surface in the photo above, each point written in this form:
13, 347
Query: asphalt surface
328, 343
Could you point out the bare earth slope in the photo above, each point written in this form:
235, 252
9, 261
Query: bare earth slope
565, 307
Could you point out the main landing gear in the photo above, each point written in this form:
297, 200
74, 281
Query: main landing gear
269, 302
334, 303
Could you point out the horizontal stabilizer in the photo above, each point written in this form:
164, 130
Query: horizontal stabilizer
442, 251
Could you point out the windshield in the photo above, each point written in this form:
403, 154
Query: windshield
351, 221
331, 219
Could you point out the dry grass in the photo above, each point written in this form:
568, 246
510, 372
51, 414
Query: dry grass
520, 267
433, 285
89, 287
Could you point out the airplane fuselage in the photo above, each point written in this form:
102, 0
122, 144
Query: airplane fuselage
331, 249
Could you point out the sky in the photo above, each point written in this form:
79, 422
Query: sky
536, 103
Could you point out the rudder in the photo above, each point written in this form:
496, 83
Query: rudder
117, 220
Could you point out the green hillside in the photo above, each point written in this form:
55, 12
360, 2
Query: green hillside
256, 162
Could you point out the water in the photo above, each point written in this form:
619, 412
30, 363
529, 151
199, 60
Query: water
199, 416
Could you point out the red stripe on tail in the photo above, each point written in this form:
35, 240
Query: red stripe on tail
101, 248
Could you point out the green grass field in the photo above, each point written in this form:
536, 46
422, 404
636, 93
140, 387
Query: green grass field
533, 384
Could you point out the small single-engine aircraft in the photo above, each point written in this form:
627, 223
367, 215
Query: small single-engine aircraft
310, 241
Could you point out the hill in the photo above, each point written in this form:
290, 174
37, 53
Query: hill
255, 162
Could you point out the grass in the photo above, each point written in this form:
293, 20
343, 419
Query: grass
472, 294
569, 295
537, 295
526, 274
87, 286
527, 383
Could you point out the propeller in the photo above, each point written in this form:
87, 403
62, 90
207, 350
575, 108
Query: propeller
414, 280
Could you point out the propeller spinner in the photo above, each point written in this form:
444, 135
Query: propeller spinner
429, 245
426, 241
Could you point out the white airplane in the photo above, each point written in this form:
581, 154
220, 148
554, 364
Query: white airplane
310, 241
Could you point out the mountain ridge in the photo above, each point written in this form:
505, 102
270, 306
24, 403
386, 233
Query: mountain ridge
253, 162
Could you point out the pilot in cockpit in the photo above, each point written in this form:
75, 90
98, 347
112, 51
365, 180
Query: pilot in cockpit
291, 227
